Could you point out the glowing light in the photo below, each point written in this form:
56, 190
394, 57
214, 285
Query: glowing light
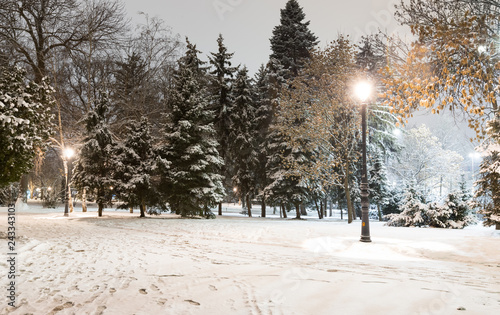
474, 155
363, 90
68, 153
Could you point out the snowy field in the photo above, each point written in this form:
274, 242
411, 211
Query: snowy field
120, 264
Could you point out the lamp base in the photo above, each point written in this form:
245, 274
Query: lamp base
365, 239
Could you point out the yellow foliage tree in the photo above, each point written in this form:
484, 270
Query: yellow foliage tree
453, 65
317, 115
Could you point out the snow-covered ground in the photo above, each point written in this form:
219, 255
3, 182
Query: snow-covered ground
120, 264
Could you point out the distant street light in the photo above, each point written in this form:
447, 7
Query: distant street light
68, 154
235, 190
363, 91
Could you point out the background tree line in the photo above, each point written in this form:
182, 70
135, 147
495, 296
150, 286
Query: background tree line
157, 125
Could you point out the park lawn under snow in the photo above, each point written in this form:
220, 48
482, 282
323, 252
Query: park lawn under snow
120, 264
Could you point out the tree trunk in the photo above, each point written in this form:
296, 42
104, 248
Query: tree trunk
143, 209
99, 210
249, 205
498, 226
297, 210
131, 209
331, 207
320, 216
340, 207
220, 208
350, 209
70, 195
84, 200
263, 208
284, 211
303, 209
23, 187
379, 212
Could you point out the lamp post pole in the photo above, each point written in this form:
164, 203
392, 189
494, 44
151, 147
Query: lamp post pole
365, 205
66, 195
68, 154
363, 91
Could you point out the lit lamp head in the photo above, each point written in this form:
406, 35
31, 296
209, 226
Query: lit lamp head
68, 153
363, 91
474, 155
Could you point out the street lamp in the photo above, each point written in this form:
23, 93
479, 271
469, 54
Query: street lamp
67, 155
363, 91
235, 190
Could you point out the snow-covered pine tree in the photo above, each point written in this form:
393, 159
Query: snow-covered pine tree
221, 82
135, 167
132, 94
413, 211
243, 146
263, 117
291, 44
292, 40
25, 123
96, 162
487, 196
286, 186
193, 183
461, 204
455, 213
377, 179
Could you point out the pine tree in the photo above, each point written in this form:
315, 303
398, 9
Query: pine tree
377, 179
413, 211
131, 92
286, 185
487, 195
221, 82
292, 40
220, 85
264, 115
95, 163
455, 213
25, 123
193, 184
243, 136
291, 44
135, 166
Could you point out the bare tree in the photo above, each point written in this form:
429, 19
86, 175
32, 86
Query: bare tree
144, 72
37, 29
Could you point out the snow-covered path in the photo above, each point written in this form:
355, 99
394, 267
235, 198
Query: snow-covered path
120, 264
